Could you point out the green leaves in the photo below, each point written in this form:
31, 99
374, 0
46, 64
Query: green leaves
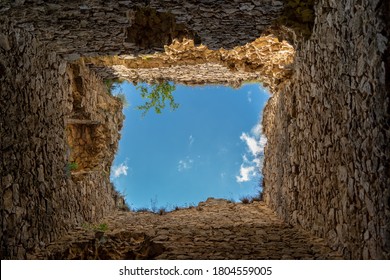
113, 84
71, 166
157, 97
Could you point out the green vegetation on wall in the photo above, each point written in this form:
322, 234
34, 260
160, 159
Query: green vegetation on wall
113, 84
71, 166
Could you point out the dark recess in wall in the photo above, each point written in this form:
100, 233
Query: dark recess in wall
298, 15
152, 29
386, 15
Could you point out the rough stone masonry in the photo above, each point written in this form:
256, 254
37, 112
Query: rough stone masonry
327, 158
59, 130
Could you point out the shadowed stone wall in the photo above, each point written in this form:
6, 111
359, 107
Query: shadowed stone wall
54, 114
33, 182
88, 28
327, 158
41, 198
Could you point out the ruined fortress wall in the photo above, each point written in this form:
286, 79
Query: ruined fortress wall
266, 59
47, 122
327, 158
93, 27
40, 198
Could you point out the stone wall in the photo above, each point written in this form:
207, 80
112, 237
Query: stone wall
32, 142
327, 158
266, 59
55, 114
92, 27
40, 197
94, 123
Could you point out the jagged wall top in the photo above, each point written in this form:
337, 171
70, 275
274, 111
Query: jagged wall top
266, 59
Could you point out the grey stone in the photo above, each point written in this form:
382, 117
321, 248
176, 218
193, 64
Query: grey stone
8, 199
4, 42
382, 42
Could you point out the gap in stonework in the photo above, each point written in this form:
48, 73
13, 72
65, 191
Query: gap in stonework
211, 146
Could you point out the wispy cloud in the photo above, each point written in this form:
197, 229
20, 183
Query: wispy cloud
253, 159
119, 170
249, 95
184, 164
246, 173
191, 140
256, 130
262, 142
251, 142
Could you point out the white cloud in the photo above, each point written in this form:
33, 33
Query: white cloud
246, 173
184, 164
252, 143
262, 142
252, 160
119, 170
245, 159
249, 96
191, 140
256, 130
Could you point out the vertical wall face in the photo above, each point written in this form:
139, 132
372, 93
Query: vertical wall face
40, 196
327, 157
33, 88
52, 116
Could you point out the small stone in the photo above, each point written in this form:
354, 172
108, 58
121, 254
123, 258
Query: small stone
366, 235
8, 199
342, 174
6, 181
62, 68
72, 56
41, 175
161, 238
382, 42
369, 206
4, 42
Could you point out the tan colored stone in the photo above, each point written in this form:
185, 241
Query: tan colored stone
229, 237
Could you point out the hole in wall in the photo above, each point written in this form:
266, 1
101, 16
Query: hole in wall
211, 146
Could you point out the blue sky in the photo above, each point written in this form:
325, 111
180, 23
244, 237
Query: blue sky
209, 147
